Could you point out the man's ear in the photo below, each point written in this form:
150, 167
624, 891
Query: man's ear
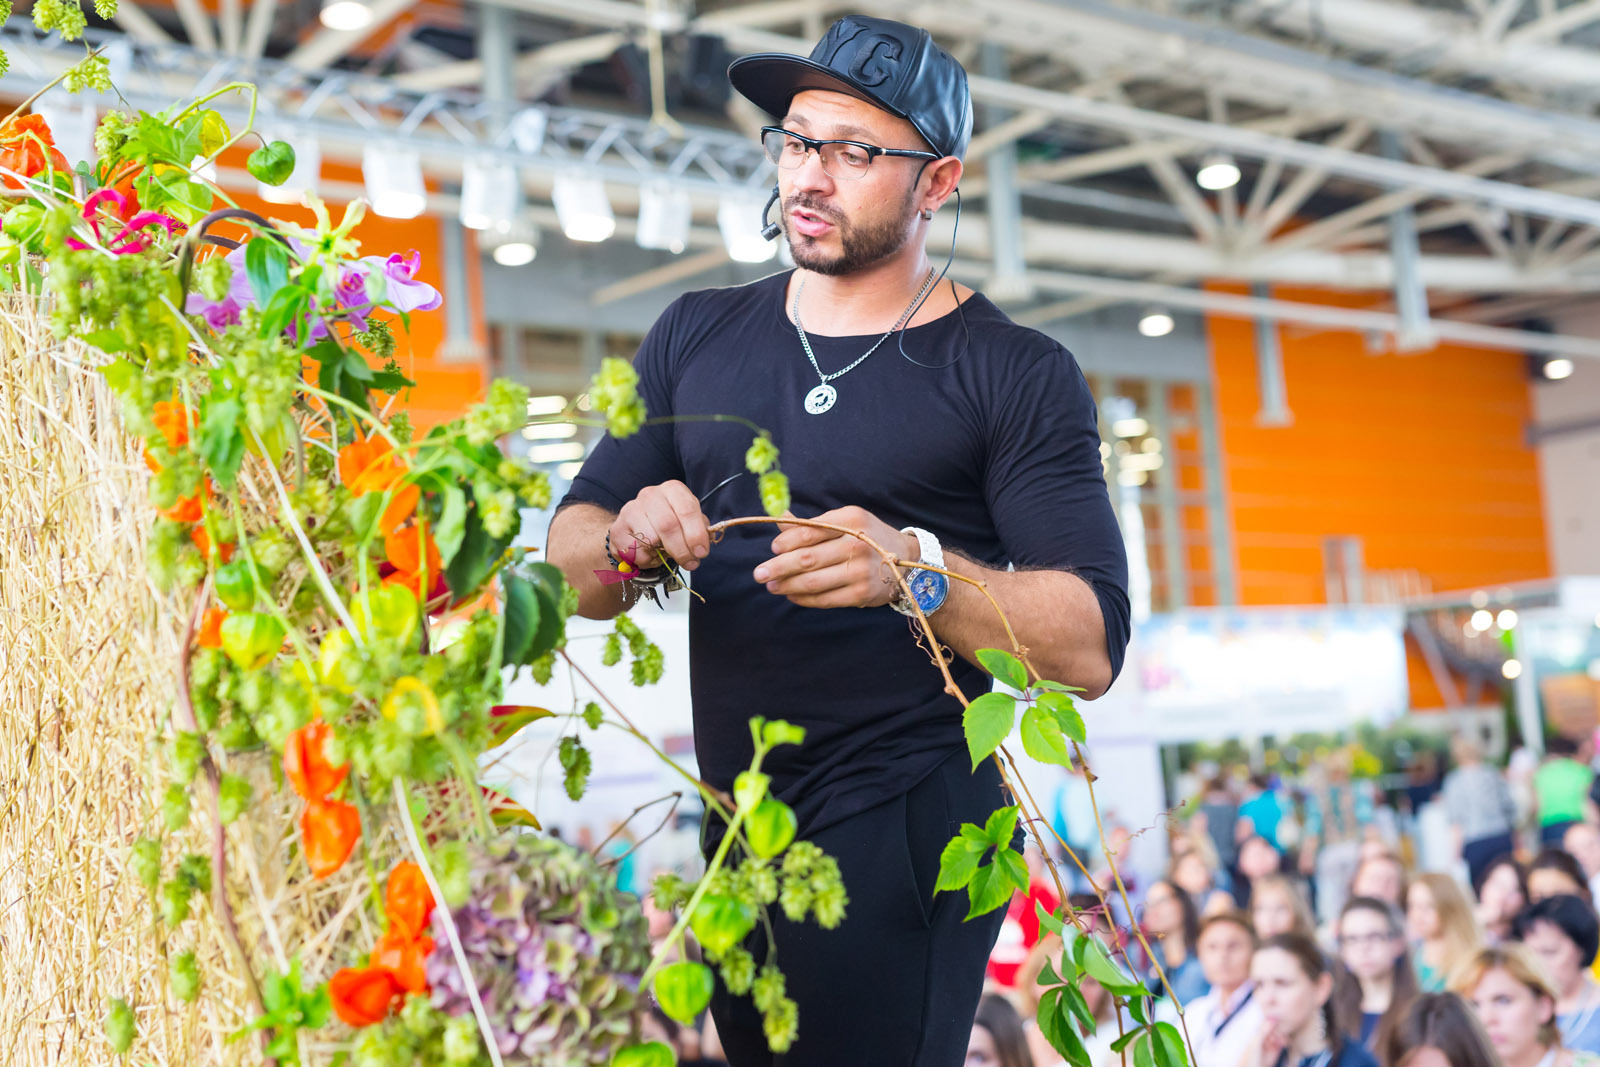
942, 176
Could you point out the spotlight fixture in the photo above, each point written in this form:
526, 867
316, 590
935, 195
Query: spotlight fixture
1217, 171
346, 14
1155, 322
664, 217
1511, 669
583, 208
394, 181
488, 194
514, 244
1557, 367
738, 218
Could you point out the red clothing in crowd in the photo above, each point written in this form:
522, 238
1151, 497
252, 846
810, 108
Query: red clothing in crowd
1020, 932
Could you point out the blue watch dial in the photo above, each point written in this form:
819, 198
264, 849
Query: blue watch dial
928, 588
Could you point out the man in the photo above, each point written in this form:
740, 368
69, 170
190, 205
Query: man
1222, 1024
978, 445
1482, 814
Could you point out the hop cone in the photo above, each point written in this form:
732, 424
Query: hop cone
556, 951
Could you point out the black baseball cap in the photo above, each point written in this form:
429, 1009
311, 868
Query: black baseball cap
888, 64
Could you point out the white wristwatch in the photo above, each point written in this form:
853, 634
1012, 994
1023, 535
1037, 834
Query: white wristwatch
929, 588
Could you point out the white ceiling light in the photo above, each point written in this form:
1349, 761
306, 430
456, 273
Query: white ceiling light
583, 208
664, 217
1132, 426
1155, 322
346, 14
488, 193
1512, 669
549, 431
1217, 171
739, 219
512, 245
307, 168
1481, 620
546, 405
394, 181
1506, 620
1558, 367
555, 452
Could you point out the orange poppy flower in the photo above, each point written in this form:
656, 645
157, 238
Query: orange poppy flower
173, 420
362, 996
401, 507
329, 830
306, 766
369, 466
407, 900
187, 509
403, 957
406, 548
27, 148
211, 626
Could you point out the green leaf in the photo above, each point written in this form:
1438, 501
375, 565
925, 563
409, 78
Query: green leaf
1143, 1056
1047, 973
987, 721
1103, 970
957, 864
107, 341
653, 1054
1049, 921
222, 439
1013, 867
989, 889
1042, 739
477, 558
1061, 708
451, 525
1060, 1032
1168, 1044
266, 264
521, 621
1125, 1040
120, 375
1059, 687
1072, 997
549, 587
1136, 1010
1004, 666
749, 787
684, 989
272, 163
1001, 826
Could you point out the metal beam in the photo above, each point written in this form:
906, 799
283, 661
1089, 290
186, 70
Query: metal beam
231, 21
562, 55
259, 27
1301, 186
140, 26
655, 277
197, 24
1551, 26
327, 45
1009, 281
1410, 295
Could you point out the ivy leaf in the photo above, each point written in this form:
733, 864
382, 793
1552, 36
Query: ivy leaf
1049, 921
1072, 997
1001, 826
1058, 687
1058, 1030
266, 264
1065, 713
521, 621
222, 439
1143, 1056
987, 721
1168, 1045
1004, 666
1042, 738
989, 889
1013, 867
957, 864
1103, 970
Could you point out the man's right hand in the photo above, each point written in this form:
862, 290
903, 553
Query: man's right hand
666, 516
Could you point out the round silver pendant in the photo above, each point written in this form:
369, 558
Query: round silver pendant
821, 399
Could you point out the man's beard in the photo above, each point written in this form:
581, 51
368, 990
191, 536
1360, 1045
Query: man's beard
860, 246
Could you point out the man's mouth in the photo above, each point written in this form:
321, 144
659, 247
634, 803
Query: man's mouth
809, 223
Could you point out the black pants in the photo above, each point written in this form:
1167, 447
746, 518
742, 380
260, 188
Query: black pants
897, 983
1480, 852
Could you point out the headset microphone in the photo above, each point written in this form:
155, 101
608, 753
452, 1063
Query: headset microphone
770, 230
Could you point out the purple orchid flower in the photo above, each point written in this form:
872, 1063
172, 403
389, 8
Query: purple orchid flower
220, 314
405, 292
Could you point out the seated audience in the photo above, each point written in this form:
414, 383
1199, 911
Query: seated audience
1440, 924
1223, 1023
1502, 893
1583, 841
997, 1038
1278, 906
1380, 875
1554, 872
1171, 925
1298, 1029
1375, 984
1564, 934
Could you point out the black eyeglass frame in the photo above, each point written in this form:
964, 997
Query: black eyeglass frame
873, 151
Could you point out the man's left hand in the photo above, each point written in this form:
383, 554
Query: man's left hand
818, 568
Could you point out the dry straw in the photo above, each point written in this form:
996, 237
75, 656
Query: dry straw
89, 656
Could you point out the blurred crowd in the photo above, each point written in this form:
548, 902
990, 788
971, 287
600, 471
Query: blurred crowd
1325, 921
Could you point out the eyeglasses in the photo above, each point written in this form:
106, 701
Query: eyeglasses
844, 160
1365, 940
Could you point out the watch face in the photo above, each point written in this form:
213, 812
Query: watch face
928, 588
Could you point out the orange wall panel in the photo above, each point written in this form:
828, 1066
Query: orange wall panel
1420, 456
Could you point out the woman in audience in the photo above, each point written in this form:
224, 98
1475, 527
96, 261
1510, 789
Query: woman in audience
1224, 1022
1554, 872
1439, 922
1257, 860
997, 1037
1277, 906
1171, 924
1517, 1005
1439, 1030
1502, 893
1375, 985
1194, 875
1564, 934
1298, 1029
1381, 876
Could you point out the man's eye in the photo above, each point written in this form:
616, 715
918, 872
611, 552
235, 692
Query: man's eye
853, 156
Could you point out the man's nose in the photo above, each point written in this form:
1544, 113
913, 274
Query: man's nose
809, 177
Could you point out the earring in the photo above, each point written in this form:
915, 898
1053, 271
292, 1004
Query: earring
927, 213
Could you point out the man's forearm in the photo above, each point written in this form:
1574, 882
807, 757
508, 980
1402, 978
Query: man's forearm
577, 546
1055, 615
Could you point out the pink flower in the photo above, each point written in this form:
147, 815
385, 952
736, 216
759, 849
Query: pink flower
220, 314
627, 567
131, 239
405, 292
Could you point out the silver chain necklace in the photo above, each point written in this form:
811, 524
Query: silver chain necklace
822, 397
